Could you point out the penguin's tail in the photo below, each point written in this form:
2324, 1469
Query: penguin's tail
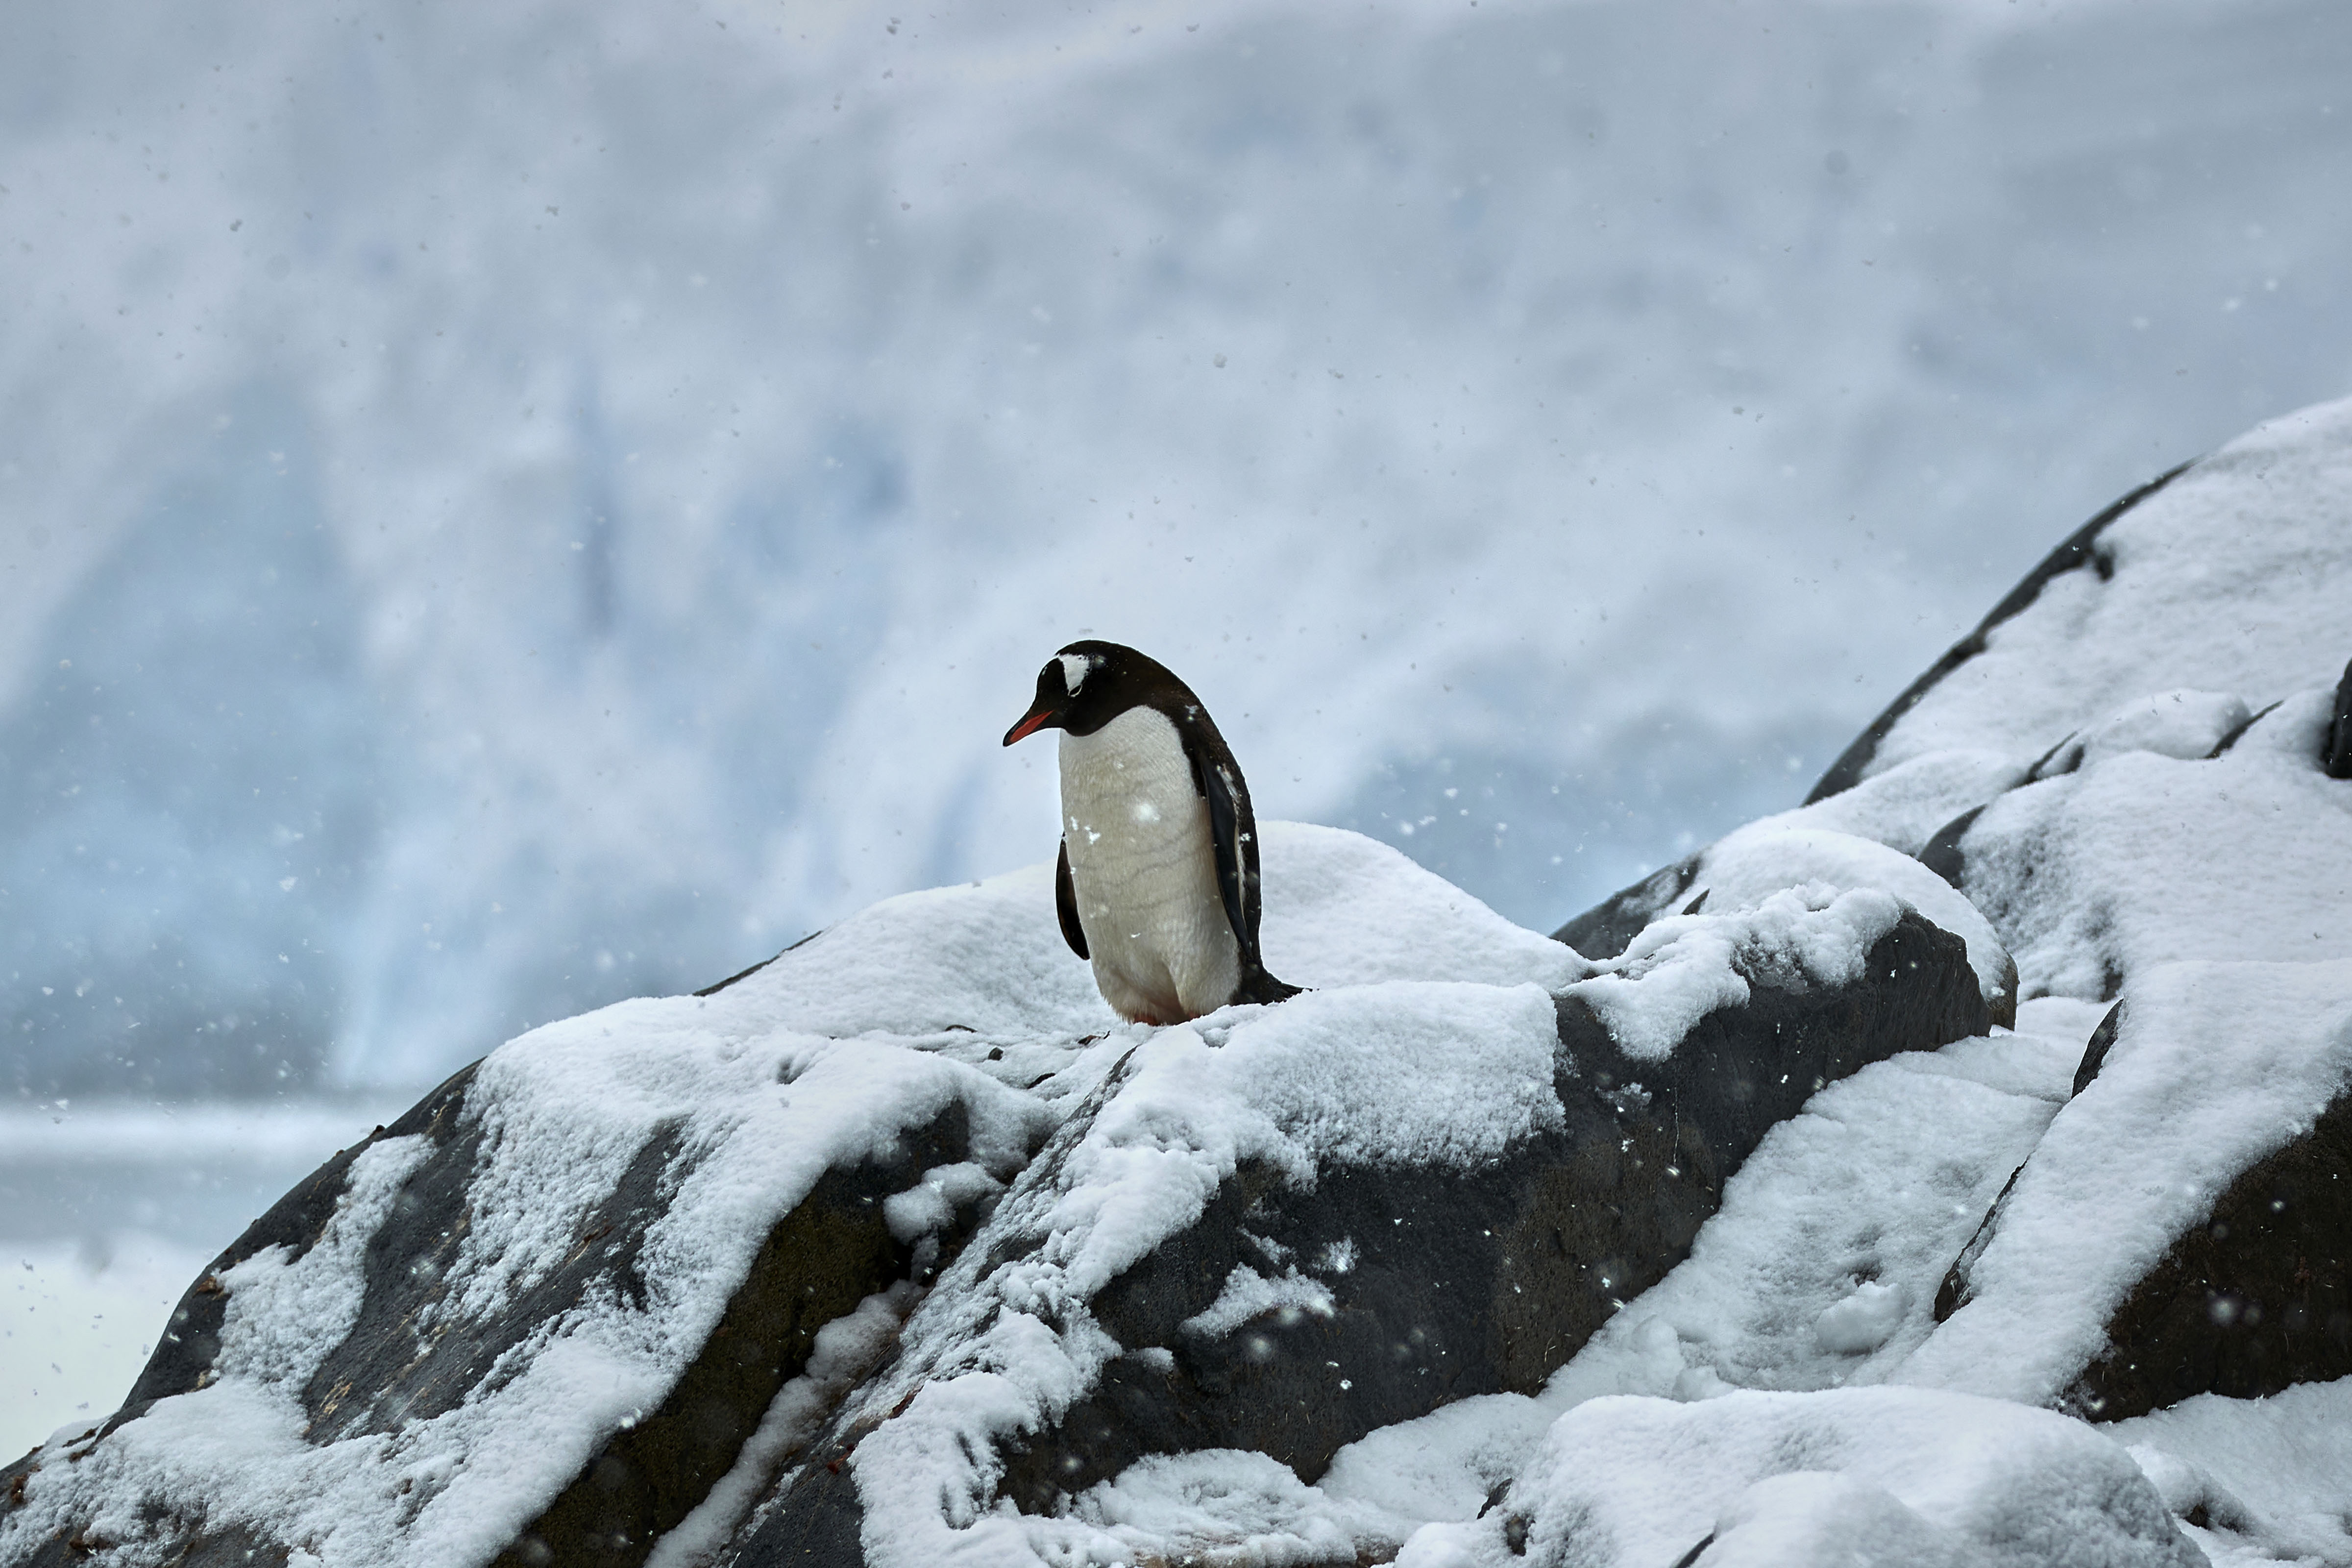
1257, 986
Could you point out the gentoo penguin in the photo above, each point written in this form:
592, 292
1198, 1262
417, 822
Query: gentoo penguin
1157, 884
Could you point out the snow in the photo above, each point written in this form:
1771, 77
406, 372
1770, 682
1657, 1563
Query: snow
2215, 1065
1747, 867
1864, 1320
284, 1316
1444, 1466
2254, 860
1685, 966
1178, 1503
2183, 724
1882, 1474
1904, 806
988, 958
1344, 909
1248, 1294
1851, 1211
2268, 1474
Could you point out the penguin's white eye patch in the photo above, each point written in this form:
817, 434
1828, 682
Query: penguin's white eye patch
1073, 670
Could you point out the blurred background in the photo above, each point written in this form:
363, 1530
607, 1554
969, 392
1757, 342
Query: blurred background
508, 506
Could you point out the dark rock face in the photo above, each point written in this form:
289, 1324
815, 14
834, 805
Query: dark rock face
2257, 1299
1943, 854
2096, 1049
2339, 759
1458, 1282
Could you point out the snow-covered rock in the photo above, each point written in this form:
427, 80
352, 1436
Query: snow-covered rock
1828, 1196
2129, 769
1857, 1475
1282, 1234
593, 1299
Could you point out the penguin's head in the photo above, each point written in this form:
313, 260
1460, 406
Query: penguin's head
1087, 685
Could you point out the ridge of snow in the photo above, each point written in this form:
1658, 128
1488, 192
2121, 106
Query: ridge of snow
1247, 1293
1683, 967
2227, 580
2252, 861
1743, 868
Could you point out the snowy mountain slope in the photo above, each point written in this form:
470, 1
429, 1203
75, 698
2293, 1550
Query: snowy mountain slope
574, 489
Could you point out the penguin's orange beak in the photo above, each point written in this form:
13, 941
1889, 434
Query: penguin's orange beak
1036, 719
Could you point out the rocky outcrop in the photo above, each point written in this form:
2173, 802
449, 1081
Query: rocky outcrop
1301, 1310
412, 1353
1957, 1286
1318, 1257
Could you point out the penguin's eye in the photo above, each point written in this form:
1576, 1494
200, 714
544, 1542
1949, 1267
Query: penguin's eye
1073, 671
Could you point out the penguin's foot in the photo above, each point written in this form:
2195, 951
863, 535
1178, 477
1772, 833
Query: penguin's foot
1259, 986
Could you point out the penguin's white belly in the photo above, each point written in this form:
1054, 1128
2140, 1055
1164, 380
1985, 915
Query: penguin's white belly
1145, 871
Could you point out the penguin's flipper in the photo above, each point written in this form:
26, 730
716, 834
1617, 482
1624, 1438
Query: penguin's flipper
1066, 903
1234, 872
1229, 832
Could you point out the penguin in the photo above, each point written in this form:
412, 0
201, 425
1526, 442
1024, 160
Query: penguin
1157, 881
